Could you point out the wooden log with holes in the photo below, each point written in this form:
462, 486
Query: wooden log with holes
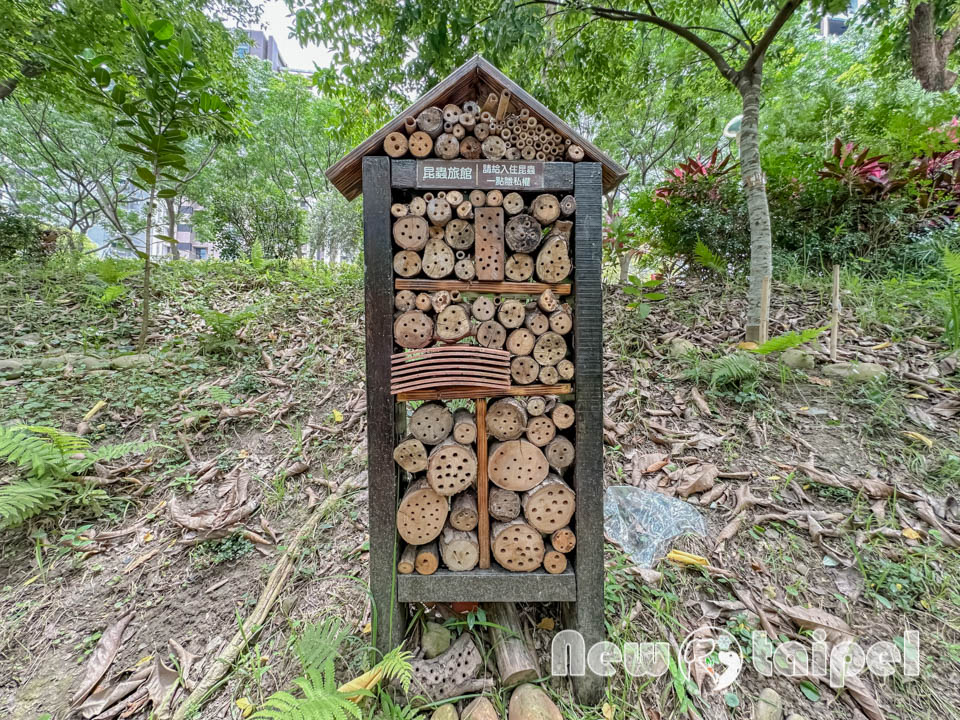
405, 300
503, 505
438, 259
411, 455
452, 323
548, 375
554, 561
424, 302
408, 559
562, 416
553, 260
524, 370
491, 334
411, 232
563, 540
463, 511
422, 513
559, 453
523, 233
550, 505
406, 263
516, 546
465, 210
454, 197
459, 234
431, 423
395, 144
511, 313
561, 322
494, 198
477, 198
574, 153
399, 210
413, 329
566, 370
439, 211
519, 267
420, 144
568, 206
512, 203
439, 300
470, 148
536, 405
493, 147
451, 467
428, 558
506, 419
548, 301
483, 308
520, 341
516, 465
459, 549
430, 121
513, 647
464, 426
545, 208
488, 243
540, 430
550, 348
465, 269
417, 206
536, 322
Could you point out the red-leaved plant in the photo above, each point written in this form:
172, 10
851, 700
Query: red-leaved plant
693, 177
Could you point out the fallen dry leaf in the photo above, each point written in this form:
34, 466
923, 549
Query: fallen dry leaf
814, 618
102, 657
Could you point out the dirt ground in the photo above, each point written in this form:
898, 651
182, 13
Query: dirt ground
829, 503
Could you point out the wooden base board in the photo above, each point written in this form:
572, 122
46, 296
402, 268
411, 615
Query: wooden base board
492, 585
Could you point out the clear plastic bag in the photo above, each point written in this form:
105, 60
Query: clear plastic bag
643, 523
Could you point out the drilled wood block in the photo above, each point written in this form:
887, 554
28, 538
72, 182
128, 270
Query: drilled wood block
488, 243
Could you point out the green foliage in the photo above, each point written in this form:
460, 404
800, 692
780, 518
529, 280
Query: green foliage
641, 290
20, 236
737, 370
789, 340
951, 263
224, 327
238, 221
320, 699
320, 643
705, 257
46, 458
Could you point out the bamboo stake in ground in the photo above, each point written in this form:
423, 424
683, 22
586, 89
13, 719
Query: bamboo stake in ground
254, 622
835, 318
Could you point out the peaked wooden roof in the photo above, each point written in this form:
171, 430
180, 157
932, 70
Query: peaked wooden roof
473, 80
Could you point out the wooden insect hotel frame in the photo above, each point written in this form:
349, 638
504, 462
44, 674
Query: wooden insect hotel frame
482, 250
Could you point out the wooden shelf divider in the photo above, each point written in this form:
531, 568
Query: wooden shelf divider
482, 286
483, 513
472, 393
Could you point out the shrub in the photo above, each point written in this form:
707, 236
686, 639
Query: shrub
21, 236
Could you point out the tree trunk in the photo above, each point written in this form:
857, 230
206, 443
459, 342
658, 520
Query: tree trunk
928, 53
625, 259
754, 183
172, 227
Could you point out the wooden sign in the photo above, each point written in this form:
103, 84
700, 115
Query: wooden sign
504, 175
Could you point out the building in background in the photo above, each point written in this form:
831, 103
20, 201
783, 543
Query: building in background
264, 47
836, 25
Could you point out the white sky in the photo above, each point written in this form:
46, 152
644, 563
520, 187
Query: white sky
276, 21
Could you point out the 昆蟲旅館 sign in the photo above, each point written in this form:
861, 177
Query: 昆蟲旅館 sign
483, 174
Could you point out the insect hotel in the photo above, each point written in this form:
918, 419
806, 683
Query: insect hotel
482, 248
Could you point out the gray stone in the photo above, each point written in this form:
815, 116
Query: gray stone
11, 369
681, 347
797, 359
56, 361
769, 705
126, 362
445, 712
28, 340
435, 640
854, 372
89, 362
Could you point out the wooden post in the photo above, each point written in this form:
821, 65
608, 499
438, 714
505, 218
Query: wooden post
764, 311
483, 514
587, 612
382, 432
835, 317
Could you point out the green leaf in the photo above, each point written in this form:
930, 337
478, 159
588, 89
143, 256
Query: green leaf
811, 691
731, 699
102, 76
789, 340
167, 193
951, 263
162, 29
148, 177
654, 296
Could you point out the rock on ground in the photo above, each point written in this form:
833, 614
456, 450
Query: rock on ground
529, 702
797, 359
769, 706
854, 372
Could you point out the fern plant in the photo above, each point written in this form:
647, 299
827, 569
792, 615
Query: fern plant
789, 340
705, 257
46, 459
951, 263
222, 337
